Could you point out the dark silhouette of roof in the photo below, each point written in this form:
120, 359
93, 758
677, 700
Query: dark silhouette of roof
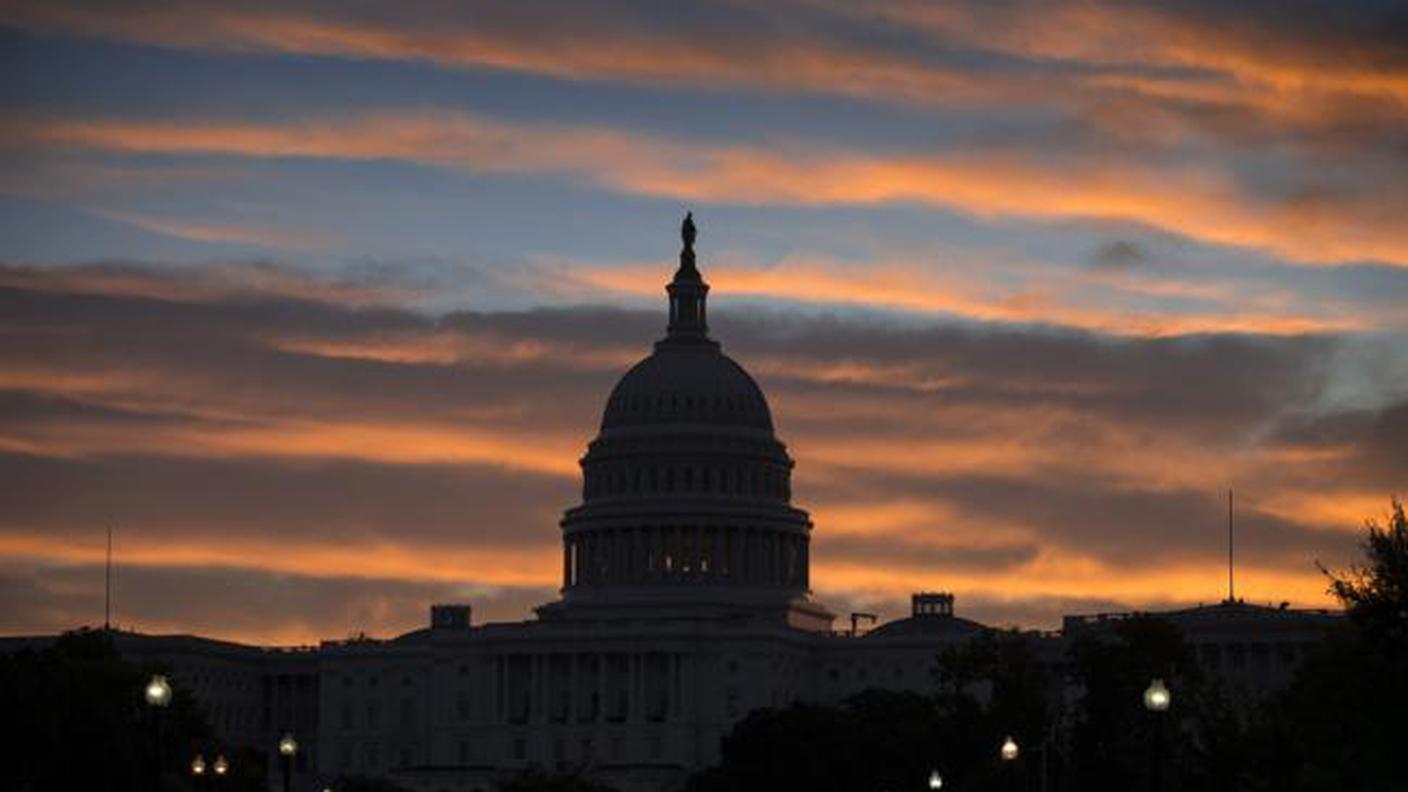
691, 384
928, 626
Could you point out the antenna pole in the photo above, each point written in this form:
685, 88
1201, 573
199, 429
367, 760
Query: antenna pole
1231, 590
107, 586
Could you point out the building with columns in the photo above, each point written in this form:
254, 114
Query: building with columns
685, 604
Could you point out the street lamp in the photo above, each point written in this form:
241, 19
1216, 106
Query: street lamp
221, 766
288, 748
1156, 696
1157, 699
935, 781
158, 692
158, 696
197, 771
1009, 750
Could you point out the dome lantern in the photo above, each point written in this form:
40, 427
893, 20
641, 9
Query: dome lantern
688, 292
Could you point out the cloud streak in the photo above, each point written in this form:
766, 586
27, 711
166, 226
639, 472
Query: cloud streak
1203, 204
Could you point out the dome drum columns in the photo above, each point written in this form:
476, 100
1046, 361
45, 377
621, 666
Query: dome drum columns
719, 555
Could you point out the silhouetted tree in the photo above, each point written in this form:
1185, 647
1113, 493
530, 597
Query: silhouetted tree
1111, 732
1339, 725
74, 718
990, 688
874, 741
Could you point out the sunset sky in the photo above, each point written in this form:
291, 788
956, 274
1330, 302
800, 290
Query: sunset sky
318, 302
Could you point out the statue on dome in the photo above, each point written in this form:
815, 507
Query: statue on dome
688, 231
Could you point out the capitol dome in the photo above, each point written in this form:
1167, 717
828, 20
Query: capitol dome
687, 383
686, 491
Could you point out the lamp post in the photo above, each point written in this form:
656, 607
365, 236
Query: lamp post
158, 696
1009, 753
935, 780
1156, 701
288, 748
197, 771
221, 767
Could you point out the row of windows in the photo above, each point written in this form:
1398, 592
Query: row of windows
586, 688
372, 680
764, 481
372, 756
1257, 655
371, 711
675, 402
667, 553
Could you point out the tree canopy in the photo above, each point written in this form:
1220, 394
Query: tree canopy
74, 718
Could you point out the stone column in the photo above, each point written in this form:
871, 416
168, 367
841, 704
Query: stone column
804, 555
573, 689
566, 562
601, 688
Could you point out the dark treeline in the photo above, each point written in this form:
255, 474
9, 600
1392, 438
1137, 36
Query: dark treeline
1338, 726
74, 718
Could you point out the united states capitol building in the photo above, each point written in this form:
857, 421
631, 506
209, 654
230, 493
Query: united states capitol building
685, 604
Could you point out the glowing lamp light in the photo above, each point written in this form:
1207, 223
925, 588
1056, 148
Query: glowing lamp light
221, 765
935, 781
198, 765
158, 691
287, 745
1156, 696
1009, 750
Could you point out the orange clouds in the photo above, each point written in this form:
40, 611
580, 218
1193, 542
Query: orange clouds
354, 556
291, 239
1203, 204
309, 438
911, 288
1059, 578
517, 39
1149, 48
210, 282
